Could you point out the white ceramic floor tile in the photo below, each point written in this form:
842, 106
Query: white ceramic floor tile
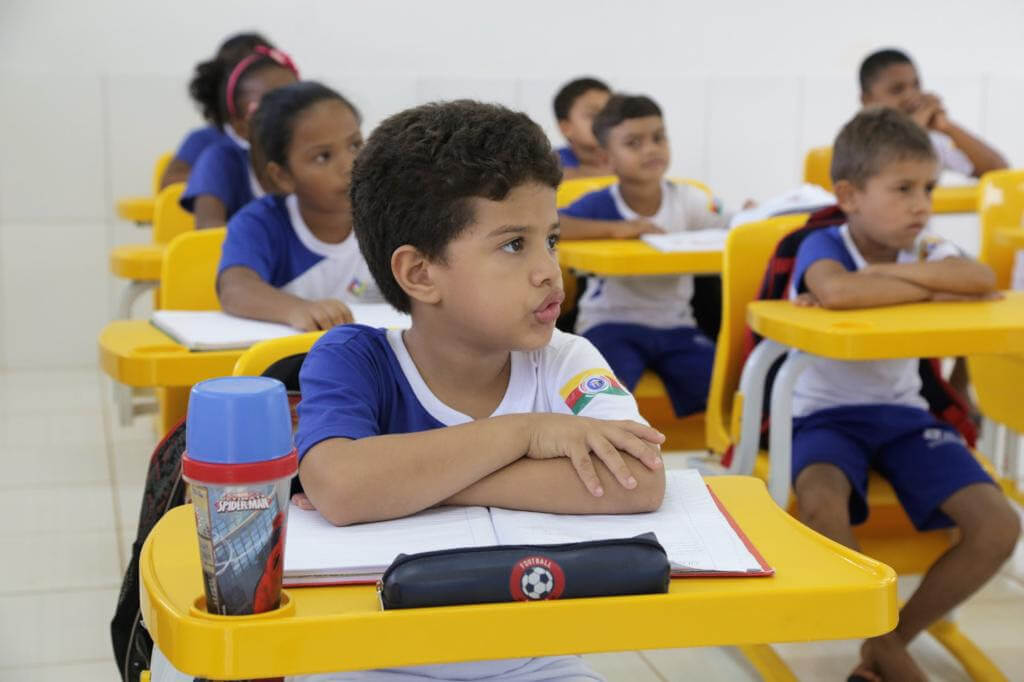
44, 390
622, 665
129, 502
57, 509
61, 561
97, 671
708, 664
131, 460
52, 448
55, 628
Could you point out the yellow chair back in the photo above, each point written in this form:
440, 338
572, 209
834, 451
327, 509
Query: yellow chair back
188, 274
571, 190
169, 218
818, 167
159, 168
747, 251
260, 356
1000, 205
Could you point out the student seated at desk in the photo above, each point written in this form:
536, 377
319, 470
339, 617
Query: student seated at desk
889, 78
481, 401
293, 259
205, 89
576, 104
643, 322
852, 416
223, 179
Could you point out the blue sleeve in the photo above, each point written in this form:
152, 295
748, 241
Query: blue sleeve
599, 205
823, 244
215, 173
567, 157
251, 243
341, 385
194, 144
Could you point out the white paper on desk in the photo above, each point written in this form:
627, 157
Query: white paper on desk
806, 198
216, 330
687, 241
314, 547
695, 534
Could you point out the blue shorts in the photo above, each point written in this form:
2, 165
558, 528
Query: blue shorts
681, 356
923, 458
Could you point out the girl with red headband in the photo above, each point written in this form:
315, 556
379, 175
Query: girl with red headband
223, 179
204, 88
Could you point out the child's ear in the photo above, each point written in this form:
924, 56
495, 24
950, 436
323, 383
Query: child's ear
280, 177
415, 274
846, 196
566, 128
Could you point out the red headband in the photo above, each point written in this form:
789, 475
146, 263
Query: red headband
259, 51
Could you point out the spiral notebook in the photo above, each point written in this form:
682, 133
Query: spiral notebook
697, 533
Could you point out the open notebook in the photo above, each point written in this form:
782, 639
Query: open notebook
696, 532
687, 241
216, 330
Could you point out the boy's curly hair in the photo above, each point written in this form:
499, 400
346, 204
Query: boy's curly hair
873, 138
413, 181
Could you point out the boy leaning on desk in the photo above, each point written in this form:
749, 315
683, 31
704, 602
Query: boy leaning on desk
852, 416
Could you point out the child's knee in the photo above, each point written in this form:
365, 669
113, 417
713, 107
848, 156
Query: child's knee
823, 495
994, 537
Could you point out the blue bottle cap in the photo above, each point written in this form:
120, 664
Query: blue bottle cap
237, 420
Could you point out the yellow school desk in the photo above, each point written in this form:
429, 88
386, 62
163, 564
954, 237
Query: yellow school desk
905, 331
622, 257
955, 199
821, 590
135, 353
136, 209
1010, 237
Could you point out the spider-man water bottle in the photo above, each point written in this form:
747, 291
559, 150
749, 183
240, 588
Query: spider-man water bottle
239, 460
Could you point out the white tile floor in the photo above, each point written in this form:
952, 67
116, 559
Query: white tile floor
70, 498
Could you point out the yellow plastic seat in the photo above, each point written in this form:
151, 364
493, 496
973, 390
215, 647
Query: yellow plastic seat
1000, 208
259, 356
888, 534
951, 199
140, 209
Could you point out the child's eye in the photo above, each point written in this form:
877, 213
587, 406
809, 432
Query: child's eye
514, 246
323, 157
553, 240
929, 187
356, 146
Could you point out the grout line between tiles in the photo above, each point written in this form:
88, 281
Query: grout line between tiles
108, 441
653, 668
62, 664
45, 591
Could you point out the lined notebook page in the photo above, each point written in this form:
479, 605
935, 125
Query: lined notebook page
695, 534
688, 240
315, 547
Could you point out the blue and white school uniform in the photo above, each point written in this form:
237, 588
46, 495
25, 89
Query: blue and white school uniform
859, 415
951, 157
567, 157
647, 322
270, 237
223, 170
196, 142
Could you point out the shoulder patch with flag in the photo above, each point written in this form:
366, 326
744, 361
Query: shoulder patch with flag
586, 385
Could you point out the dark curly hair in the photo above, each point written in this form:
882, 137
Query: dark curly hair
873, 138
209, 76
621, 108
274, 121
413, 181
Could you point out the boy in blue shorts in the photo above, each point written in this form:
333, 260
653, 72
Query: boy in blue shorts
481, 401
850, 417
576, 105
643, 322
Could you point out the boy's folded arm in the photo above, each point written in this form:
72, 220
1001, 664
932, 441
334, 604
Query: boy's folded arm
243, 292
837, 288
949, 275
572, 227
983, 157
390, 476
552, 485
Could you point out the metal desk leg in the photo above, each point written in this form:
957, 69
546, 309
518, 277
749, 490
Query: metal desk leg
780, 440
752, 381
136, 288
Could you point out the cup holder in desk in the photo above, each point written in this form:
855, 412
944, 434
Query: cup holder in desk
287, 608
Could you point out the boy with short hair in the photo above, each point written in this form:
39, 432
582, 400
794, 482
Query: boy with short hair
852, 416
454, 208
576, 104
643, 322
889, 78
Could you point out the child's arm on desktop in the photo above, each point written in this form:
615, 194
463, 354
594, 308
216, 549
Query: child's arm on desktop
243, 293
586, 228
983, 157
384, 477
962, 276
837, 288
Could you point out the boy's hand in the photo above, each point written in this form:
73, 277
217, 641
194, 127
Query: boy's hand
302, 502
579, 438
309, 316
807, 300
631, 229
928, 110
948, 297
